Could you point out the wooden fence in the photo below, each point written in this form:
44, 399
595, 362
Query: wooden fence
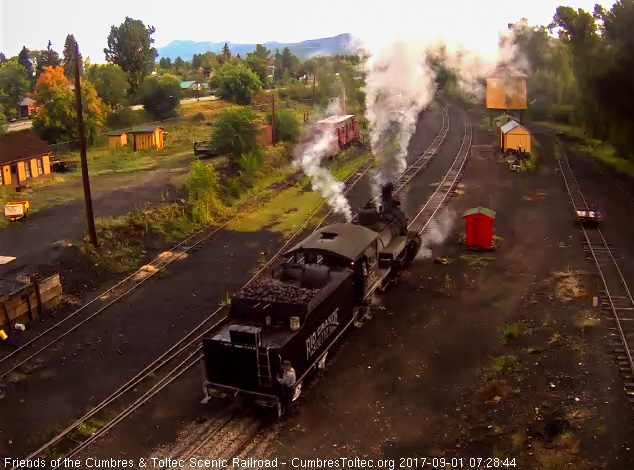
30, 302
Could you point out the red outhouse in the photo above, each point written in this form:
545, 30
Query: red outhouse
479, 227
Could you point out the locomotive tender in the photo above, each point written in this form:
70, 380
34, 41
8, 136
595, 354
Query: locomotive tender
299, 313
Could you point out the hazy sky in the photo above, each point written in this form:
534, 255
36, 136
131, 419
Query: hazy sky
32, 23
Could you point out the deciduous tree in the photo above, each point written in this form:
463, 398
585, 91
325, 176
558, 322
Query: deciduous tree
161, 95
235, 82
130, 47
56, 119
14, 84
111, 84
234, 132
287, 126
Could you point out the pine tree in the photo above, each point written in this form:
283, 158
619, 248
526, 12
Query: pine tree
69, 50
47, 58
226, 54
24, 61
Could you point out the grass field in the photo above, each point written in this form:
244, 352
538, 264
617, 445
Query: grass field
593, 148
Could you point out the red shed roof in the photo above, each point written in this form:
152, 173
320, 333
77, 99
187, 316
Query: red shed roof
480, 210
16, 146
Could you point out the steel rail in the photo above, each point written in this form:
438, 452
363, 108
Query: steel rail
164, 359
421, 162
468, 129
244, 208
593, 246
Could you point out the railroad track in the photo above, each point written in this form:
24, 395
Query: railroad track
426, 219
168, 367
51, 336
615, 298
413, 168
161, 372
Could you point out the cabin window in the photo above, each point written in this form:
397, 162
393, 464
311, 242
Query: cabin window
40, 167
27, 169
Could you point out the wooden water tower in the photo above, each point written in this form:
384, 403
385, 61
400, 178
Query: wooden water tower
506, 91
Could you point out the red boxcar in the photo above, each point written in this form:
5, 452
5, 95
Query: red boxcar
345, 130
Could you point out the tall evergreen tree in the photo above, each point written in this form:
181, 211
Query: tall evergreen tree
69, 50
226, 54
47, 58
24, 61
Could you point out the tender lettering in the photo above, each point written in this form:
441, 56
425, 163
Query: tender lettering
317, 338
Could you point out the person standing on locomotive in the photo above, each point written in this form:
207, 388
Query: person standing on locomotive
287, 381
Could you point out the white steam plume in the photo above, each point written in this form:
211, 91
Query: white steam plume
399, 84
437, 235
309, 157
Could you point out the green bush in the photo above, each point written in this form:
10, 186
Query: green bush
296, 92
202, 184
234, 132
250, 161
562, 113
287, 126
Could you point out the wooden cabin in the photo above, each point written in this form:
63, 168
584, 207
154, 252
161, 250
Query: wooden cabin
23, 157
148, 137
514, 136
26, 107
117, 139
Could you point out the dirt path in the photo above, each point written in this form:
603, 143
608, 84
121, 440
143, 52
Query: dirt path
437, 380
32, 241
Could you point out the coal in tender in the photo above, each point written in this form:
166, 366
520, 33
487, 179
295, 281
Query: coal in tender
274, 290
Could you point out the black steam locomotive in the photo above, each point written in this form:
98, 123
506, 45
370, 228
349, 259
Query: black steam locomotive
299, 313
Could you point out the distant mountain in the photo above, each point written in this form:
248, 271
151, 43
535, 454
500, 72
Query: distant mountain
340, 44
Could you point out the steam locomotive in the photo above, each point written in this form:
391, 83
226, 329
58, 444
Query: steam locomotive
296, 315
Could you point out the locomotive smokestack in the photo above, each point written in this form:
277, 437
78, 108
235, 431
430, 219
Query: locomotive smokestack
386, 194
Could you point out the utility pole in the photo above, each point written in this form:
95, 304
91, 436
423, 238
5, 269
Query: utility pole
314, 75
344, 100
273, 118
82, 152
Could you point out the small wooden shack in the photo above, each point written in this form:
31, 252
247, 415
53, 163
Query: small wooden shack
514, 136
23, 157
147, 137
117, 139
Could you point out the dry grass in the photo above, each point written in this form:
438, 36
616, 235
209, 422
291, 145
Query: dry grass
562, 454
587, 321
504, 365
568, 285
448, 286
495, 390
538, 196
477, 260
